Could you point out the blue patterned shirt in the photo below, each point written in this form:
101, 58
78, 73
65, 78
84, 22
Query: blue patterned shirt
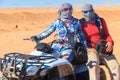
74, 30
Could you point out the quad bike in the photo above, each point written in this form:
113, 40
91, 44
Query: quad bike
36, 66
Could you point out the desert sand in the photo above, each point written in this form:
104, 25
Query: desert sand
19, 23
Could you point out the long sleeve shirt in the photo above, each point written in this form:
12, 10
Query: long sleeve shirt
74, 29
93, 35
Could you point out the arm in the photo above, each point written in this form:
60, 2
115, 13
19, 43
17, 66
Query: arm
106, 32
109, 39
47, 32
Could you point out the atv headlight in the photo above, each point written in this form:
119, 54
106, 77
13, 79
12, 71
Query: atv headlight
32, 70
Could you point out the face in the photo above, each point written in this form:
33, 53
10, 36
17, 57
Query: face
66, 9
88, 14
66, 12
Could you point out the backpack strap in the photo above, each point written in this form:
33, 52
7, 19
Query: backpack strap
82, 21
100, 27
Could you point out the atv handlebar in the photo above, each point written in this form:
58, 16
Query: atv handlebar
30, 40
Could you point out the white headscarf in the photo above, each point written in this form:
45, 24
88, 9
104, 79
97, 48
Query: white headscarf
65, 15
90, 15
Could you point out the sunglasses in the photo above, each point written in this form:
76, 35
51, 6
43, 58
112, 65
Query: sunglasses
90, 11
66, 9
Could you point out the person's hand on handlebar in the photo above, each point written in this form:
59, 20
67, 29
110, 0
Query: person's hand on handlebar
34, 38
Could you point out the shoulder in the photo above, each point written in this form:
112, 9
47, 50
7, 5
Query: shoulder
56, 21
99, 17
82, 20
102, 20
75, 20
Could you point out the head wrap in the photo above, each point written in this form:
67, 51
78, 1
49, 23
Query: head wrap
87, 7
88, 12
65, 15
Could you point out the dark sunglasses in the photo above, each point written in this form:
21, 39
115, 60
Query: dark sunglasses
90, 11
66, 9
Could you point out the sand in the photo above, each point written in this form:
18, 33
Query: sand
19, 23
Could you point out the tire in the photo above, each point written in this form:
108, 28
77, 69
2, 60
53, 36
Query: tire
55, 75
3, 78
70, 77
102, 74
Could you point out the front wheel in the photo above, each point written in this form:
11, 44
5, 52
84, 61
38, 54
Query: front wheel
61, 73
70, 77
102, 74
3, 78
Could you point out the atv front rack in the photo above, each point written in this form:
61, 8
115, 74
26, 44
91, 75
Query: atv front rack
15, 65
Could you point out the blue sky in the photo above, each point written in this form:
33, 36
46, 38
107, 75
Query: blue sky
54, 3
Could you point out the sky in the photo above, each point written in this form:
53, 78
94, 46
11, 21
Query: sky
54, 3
